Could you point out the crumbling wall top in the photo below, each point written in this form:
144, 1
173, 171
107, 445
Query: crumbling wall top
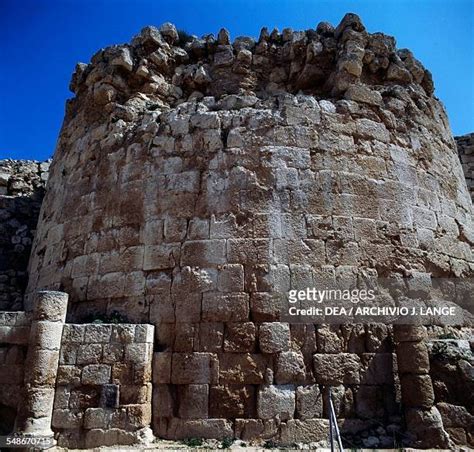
166, 67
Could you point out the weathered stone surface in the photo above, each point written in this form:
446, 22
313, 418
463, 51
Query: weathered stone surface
310, 430
417, 390
413, 357
276, 401
336, 369
290, 368
193, 368
245, 368
232, 401
309, 402
203, 428
274, 337
193, 401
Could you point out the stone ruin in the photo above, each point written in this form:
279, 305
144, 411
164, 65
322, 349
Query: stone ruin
195, 182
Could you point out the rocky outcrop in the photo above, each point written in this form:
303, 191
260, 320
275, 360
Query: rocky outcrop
465, 144
22, 185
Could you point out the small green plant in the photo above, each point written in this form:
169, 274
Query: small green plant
184, 37
447, 336
227, 442
113, 317
193, 442
269, 444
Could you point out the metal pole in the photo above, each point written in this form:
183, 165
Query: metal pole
331, 439
336, 427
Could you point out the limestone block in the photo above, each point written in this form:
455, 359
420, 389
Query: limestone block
231, 401
427, 425
185, 336
162, 401
61, 397
255, 429
211, 336
343, 399
407, 333
361, 93
96, 418
89, 354
276, 401
14, 334
328, 340
231, 278
455, 415
240, 337
111, 353
265, 307
198, 229
158, 257
73, 333
67, 419
144, 333
248, 251
413, 357
135, 394
162, 367
242, 368
274, 337
96, 374
142, 373
207, 120
124, 334
342, 368
309, 402
202, 428
68, 375
175, 229
193, 401
138, 353
290, 368
229, 307
110, 437
194, 368
310, 430
417, 390
372, 130
138, 416
203, 252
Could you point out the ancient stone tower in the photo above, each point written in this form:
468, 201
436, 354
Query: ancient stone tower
196, 181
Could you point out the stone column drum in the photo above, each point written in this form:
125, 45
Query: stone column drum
49, 315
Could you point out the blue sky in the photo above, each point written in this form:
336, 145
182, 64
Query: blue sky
41, 41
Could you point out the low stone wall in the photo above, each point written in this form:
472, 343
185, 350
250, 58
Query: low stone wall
103, 387
22, 184
465, 144
14, 334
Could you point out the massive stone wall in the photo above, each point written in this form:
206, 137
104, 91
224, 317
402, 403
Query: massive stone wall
22, 185
195, 183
